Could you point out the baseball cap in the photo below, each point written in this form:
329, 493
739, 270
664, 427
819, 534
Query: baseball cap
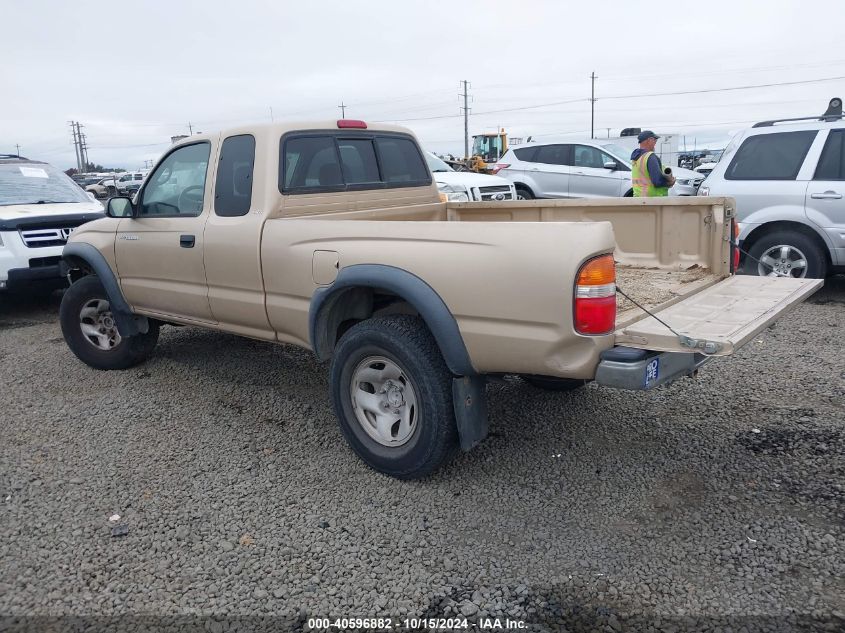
645, 135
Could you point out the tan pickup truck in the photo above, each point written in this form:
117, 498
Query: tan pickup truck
332, 236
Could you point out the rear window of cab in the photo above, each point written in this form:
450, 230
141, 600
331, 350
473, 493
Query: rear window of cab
315, 162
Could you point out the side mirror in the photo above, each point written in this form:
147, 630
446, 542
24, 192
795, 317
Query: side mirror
120, 207
611, 165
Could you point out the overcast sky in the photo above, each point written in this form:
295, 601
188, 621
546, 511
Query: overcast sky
136, 73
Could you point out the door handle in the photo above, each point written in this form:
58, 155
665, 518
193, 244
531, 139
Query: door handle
827, 195
187, 241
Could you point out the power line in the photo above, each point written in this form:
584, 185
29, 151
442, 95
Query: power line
709, 90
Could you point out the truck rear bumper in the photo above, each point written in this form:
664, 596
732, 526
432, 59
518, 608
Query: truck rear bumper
637, 369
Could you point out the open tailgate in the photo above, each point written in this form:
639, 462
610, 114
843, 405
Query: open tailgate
720, 319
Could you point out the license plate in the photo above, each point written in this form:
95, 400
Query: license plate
652, 372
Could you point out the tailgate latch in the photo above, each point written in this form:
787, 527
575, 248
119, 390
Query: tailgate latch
707, 347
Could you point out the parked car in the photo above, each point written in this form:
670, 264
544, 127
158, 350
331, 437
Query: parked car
705, 168
788, 179
467, 186
104, 188
40, 207
130, 182
332, 236
582, 169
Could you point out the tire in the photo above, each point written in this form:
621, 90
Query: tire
111, 192
798, 248
401, 349
550, 383
629, 194
110, 351
524, 193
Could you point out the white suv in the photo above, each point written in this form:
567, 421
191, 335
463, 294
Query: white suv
788, 179
39, 207
579, 169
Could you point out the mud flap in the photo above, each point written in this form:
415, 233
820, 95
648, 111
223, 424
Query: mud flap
470, 402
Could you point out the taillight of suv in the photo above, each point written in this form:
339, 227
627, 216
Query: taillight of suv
595, 296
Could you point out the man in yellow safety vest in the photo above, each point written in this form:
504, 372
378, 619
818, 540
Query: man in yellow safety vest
646, 169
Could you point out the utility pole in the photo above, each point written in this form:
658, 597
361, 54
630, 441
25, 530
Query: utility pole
466, 118
608, 132
271, 115
593, 104
83, 146
190, 129
342, 107
18, 150
76, 145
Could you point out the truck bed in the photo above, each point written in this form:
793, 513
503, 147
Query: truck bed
654, 288
667, 248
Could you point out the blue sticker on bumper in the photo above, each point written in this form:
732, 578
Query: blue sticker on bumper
652, 372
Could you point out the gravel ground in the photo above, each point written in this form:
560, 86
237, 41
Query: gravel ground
712, 504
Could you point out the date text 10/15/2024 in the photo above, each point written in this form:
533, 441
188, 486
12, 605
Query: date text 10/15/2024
411, 624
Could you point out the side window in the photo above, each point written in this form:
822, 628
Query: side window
526, 153
177, 186
776, 156
233, 187
586, 156
139, 176
832, 162
553, 154
311, 161
358, 160
401, 161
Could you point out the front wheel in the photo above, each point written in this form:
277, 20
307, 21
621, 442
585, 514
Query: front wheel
523, 193
392, 393
786, 254
90, 330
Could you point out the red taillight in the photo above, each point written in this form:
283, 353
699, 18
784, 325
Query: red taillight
595, 296
351, 123
499, 166
735, 245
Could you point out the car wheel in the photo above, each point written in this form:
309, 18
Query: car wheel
111, 192
90, 330
550, 383
392, 393
524, 193
786, 254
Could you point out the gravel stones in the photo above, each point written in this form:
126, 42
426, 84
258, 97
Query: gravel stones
662, 505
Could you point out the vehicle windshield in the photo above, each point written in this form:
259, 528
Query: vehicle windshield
37, 183
619, 152
435, 164
488, 146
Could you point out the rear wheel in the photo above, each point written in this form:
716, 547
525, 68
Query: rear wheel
550, 383
523, 193
392, 394
90, 330
786, 254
